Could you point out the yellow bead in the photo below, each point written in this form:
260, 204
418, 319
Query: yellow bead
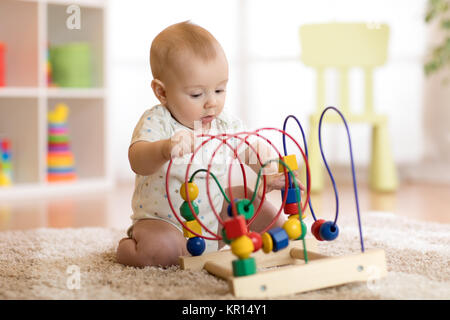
267, 242
242, 247
291, 161
292, 228
194, 226
295, 216
192, 189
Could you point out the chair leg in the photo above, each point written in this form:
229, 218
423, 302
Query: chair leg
314, 159
383, 173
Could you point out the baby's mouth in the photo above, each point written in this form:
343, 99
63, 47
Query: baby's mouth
208, 119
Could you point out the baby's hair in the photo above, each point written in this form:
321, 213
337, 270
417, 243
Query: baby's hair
177, 38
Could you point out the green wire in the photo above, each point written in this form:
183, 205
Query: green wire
217, 181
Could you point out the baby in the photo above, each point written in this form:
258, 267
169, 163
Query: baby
190, 72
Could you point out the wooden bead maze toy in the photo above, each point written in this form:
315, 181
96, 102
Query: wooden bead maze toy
298, 265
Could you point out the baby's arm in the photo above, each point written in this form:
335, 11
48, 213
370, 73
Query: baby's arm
147, 157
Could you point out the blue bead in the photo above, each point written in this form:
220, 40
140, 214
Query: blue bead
196, 246
329, 231
230, 209
292, 195
280, 238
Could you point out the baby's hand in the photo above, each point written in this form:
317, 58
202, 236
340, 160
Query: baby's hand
181, 143
277, 182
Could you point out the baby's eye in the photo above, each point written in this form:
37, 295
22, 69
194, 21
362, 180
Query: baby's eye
196, 95
220, 90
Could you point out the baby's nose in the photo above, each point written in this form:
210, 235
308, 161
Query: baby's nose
211, 102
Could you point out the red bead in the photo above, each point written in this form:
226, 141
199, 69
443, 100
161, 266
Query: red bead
315, 229
235, 227
256, 239
291, 208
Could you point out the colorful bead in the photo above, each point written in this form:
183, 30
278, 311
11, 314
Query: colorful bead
329, 231
224, 237
192, 189
230, 209
235, 227
293, 195
256, 239
244, 267
242, 247
267, 242
292, 228
315, 229
186, 212
194, 226
291, 208
304, 231
245, 207
291, 162
280, 238
196, 246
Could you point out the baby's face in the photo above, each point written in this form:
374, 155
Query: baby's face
196, 89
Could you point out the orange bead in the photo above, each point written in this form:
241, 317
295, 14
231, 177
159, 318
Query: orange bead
192, 190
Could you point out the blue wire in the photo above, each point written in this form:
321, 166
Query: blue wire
355, 189
306, 153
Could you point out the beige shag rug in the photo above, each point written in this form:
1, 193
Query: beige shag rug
45, 264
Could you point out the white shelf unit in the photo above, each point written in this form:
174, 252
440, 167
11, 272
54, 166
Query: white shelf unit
28, 27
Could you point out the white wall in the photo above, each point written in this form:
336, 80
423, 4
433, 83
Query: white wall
267, 79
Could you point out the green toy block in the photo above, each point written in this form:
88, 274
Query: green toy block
244, 267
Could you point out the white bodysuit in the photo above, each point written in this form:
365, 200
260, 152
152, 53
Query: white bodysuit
150, 199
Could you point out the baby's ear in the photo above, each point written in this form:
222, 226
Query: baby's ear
159, 90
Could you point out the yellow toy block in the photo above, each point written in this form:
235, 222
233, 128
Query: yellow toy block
291, 161
194, 226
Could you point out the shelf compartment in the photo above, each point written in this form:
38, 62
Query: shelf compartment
17, 122
19, 31
86, 134
90, 32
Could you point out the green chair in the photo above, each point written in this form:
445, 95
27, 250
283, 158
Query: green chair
343, 46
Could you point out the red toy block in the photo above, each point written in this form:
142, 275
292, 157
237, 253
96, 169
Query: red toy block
235, 227
291, 208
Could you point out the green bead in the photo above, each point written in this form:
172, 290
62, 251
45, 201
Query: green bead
224, 237
244, 267
245, 208
186, 211
304, 231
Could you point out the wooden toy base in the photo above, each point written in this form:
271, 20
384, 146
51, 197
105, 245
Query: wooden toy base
293, 274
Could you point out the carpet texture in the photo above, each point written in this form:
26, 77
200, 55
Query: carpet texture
43, 264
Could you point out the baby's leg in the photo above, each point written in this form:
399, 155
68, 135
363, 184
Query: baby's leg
265, 216
154, 243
